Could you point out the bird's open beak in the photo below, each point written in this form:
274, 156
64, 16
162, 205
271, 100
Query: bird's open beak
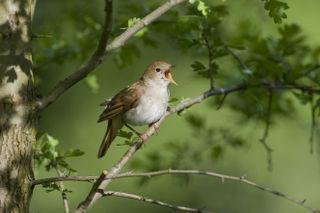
168, 77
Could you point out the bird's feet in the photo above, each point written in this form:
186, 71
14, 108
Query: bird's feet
143, 136
133, 130
155, 125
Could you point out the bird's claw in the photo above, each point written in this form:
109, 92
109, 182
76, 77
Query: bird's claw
156, 126
143, 136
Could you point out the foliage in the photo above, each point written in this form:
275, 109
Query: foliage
47, 155
276, 10
222, 56
283, 59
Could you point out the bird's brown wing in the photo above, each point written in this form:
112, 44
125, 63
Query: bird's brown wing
122, 102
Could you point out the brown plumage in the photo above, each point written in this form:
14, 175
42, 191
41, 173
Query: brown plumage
122, 102
135, 104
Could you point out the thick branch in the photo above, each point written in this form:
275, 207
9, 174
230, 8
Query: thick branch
93, 196
103, 49
149, 200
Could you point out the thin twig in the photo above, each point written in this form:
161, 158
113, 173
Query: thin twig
156, 202
223, 177
103, 49
62, 189
88, 178
263, 140
210, 57
313, 124
34, 36
222, 101
311, 70
242, 65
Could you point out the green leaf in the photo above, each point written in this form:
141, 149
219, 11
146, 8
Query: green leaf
200, 69
202, 8
48, 156
195, 121
133, 21
276, 10
141, 32
173, 101
66, 191
198, 66
217, 152
125, 134
303, 97
92, 82
50, 187
73, 153
46, 147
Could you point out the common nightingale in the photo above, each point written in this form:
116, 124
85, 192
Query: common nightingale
143, 102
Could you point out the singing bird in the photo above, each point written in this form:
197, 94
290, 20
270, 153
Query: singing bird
143, 102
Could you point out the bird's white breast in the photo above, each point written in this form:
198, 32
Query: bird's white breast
151, 107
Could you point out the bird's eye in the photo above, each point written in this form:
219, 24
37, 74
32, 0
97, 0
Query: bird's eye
158, 69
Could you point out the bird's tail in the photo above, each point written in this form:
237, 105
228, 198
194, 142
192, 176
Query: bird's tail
113, 126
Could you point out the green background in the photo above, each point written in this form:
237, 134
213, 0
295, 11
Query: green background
72, 120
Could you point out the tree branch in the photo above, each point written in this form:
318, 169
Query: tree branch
210, 57
84, 69
311, 70
93, 196
103, 49
222, 101
223, 177
313, 124
147, 20
242, 65
263, 140
149, 200
62, 189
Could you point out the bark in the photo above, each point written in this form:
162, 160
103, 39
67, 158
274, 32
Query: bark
17, 118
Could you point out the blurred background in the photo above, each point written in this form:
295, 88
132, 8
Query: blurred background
73, 27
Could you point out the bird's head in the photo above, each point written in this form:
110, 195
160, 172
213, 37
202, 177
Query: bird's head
160, 72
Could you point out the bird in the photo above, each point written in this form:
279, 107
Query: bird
141, 103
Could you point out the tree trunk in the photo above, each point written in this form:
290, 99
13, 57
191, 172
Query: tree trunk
17, 118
